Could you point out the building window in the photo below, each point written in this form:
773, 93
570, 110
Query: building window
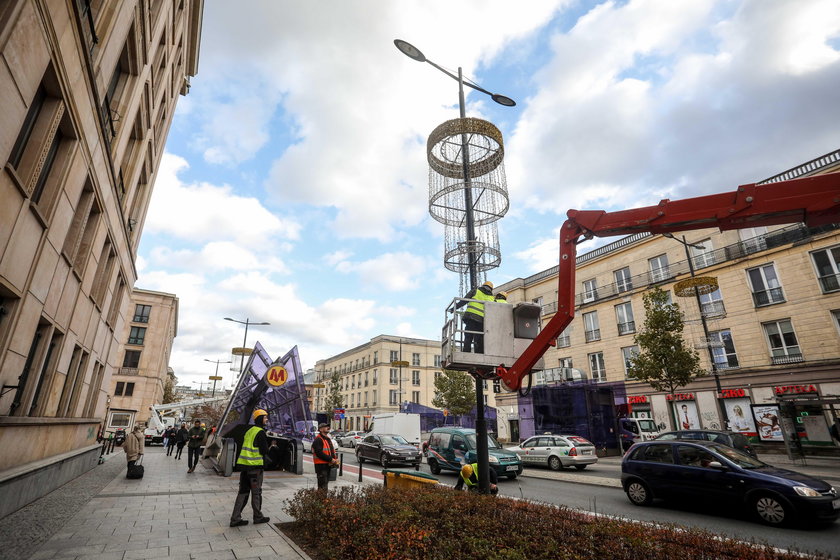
352, 400
392, 397
366, 398
565, 362
137, 335
836, 316
592, 330
366, 379
753, 239
131, 359
723, 349
124, 389
415, 359
415, 397
375, 357
766, 289
437, 360
590, 290
394, 379
711, 305
658, 266
374, 377
120, 387
437, 375
564, 340
624, 317
827, 262
702, 257
120, 419
141, 313
596, 365
784, 347
373, 394
627, 354
623, 283
415, 377
395, 356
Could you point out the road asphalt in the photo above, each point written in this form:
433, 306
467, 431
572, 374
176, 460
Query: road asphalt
174, 514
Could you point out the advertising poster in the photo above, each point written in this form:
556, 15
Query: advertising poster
686, 412
740, 418
766, 418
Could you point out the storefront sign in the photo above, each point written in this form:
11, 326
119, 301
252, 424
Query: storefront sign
641, 399
732, 393
794, 389
680, 397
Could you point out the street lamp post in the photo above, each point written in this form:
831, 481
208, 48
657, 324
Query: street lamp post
246, 322
216, 376
480, 422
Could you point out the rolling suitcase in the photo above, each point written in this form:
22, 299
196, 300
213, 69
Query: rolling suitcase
136, 470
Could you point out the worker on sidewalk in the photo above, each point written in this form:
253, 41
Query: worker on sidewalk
469, 478
252, 445
323, 455
474, 317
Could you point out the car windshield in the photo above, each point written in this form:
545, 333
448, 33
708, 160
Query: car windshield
647, 425
491, 443
393, 440
577, 440
741, 459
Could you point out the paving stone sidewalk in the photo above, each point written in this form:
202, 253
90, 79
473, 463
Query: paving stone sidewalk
168, 514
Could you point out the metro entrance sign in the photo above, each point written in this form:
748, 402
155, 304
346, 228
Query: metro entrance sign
277, 376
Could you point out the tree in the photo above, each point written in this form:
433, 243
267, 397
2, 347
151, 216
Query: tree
664, 360
210, 413
334, 399
170, 394
455, 391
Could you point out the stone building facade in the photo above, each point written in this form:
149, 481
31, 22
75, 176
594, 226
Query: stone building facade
88, 90
137, 384
771, 328
377, 377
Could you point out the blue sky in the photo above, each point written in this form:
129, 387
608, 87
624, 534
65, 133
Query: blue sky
294, 188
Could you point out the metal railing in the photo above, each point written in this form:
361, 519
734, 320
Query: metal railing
768, 297
627, 328
830, 283
593, 335
713, 309
790, 358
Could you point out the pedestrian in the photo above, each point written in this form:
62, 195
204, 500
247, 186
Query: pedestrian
252, 445
134, 446
323, 455
196, 436
171, 435
469, 478
165, 436
474, 317
181, 439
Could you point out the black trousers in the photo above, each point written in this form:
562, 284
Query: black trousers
180, 450
322, 472
250, 484
170, 447
192, 456
473, 342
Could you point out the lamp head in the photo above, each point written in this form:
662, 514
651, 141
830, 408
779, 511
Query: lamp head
409, 50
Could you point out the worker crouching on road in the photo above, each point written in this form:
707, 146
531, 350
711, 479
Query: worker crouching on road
324, 455
252, 444
469, 478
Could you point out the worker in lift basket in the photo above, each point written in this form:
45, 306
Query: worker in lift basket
474, 317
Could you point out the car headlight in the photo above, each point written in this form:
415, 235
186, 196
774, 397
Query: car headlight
806, 491
518, 456
493, 459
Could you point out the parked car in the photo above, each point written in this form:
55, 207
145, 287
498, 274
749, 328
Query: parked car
705, 471
732, 439
556, 452
450, 448
387, 449
307, 442
350, 439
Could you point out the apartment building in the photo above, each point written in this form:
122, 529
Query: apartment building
88, 90
770, 328
380, 375
146, 346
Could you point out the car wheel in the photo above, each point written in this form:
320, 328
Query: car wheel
383, 460
554, 463
434, 467
639, 493
771, 510
359, 458
580, 467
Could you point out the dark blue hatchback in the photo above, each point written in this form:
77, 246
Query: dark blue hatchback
700, 470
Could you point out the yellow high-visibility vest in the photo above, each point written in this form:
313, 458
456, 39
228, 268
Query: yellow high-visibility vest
250, 455
476, 307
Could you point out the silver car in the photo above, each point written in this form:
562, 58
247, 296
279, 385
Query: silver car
350, 439
556, 452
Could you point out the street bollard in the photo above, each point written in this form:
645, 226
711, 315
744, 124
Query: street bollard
341, 464
360, 471
417, 467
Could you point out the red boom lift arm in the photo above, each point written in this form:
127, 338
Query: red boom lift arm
812, 200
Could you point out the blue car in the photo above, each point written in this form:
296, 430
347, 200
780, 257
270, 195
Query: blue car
704, 470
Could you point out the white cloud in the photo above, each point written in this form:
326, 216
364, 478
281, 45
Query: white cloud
394, 272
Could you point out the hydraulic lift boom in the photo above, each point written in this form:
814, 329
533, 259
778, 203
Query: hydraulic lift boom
812, 200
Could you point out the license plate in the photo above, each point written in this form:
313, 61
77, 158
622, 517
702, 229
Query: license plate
515, 468
836, 503
586, 452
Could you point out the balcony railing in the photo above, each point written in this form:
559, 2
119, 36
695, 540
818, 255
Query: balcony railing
564, 341
627, 328
592, 336
710, 342
128, 371
830, 283
789, 358
713, 309
768, 297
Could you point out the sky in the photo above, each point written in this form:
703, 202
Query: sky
294, 185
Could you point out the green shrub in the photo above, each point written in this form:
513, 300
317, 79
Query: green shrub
431, 523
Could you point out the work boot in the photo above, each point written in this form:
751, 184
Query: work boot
239, 523
259, 520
